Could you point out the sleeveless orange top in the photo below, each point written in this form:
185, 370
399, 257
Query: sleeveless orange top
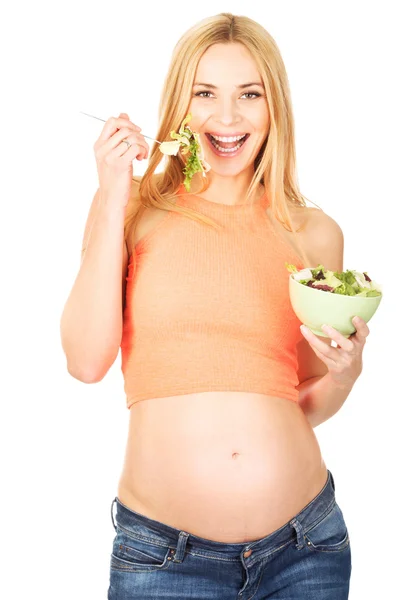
209, 310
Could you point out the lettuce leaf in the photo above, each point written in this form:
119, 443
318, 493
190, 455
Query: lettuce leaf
347, 283
189, 143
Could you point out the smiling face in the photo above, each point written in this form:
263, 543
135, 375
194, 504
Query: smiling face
229, 109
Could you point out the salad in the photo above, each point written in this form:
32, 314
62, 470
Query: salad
347, 283
189, 142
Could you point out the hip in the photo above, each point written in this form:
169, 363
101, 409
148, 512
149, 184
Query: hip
227, 466
309, 557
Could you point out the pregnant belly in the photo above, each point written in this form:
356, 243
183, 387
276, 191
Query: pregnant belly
227, 466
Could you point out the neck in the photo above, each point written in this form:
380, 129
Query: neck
232, 189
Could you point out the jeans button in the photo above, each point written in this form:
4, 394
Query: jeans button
247, 553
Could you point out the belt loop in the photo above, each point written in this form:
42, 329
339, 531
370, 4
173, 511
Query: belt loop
180, 549
112, 516
299, 532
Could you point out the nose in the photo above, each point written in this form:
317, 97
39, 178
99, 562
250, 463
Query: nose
226, 112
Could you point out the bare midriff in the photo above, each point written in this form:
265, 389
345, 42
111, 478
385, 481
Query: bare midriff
226, 466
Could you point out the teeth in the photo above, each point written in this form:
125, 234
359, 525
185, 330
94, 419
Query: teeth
228, 139
228, 150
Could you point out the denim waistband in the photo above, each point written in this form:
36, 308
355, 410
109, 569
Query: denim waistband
144, 528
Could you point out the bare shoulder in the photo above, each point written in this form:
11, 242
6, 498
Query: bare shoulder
323, 228
304, 220
324, 239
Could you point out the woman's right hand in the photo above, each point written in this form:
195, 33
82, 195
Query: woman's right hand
114, 158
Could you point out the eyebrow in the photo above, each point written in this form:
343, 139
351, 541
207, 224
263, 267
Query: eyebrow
240, 87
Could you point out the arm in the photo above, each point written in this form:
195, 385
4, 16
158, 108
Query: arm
91, 322
320, 398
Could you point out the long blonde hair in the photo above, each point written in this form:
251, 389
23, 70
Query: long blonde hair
275, 164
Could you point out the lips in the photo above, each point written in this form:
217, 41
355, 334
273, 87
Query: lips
213, 136
226, 149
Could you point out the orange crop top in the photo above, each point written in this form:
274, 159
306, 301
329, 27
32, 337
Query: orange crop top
209, 310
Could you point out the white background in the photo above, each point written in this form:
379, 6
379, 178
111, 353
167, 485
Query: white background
62, 442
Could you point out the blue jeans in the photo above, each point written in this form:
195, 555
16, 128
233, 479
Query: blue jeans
307, 558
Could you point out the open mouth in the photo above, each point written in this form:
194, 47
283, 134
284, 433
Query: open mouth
227, 145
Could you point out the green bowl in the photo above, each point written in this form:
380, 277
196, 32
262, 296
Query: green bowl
315, 308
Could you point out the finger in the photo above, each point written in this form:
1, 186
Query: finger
114, 146
315, 342
136, 139
129, 122
328, 360
362, 329
113, 125
132, 137
136, 150
343, 342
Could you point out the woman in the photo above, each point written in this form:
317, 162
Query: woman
224, 493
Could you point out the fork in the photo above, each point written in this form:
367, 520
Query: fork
145, 136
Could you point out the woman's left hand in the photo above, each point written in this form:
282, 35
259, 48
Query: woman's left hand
344, 362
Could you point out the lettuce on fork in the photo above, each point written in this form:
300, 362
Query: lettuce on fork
189, 141
347, 283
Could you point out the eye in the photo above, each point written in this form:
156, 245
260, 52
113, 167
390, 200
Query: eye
199, 94
254, 94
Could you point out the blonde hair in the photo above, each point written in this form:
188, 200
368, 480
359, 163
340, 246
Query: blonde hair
275, 164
